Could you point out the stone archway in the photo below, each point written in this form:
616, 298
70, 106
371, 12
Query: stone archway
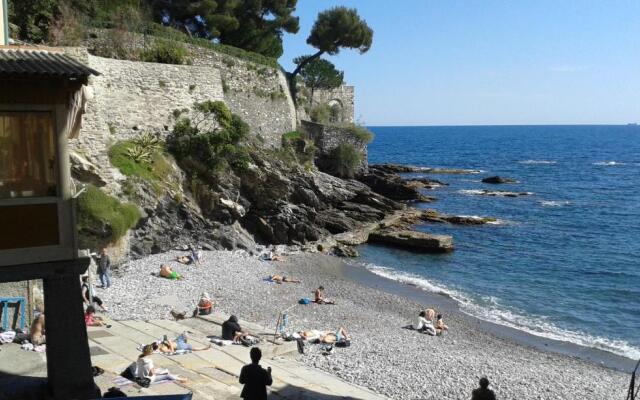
337, 111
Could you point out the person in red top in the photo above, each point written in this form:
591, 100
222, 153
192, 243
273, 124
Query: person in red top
91, 320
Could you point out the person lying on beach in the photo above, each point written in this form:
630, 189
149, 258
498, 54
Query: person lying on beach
272, 256
85, 295
282, 279
91, 320
170, 346
146, 369
329, 337
205, 305
231, 330
319, 296
167, 272
37, 334
424, 325
440, 326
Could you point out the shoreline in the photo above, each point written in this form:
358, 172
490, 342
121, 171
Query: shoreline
383, 357
599, 357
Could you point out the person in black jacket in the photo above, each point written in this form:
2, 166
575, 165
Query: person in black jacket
483, 392
255, 378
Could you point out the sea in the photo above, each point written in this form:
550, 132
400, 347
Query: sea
563, 262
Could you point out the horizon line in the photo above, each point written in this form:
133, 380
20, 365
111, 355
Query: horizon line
488, 125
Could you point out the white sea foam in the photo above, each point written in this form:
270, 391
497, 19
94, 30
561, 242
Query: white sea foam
554, 203
608, 163
537, 162
497, 221
482, 192
494, 312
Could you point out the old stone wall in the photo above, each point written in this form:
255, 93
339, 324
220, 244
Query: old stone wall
130, 97
31, 291
341, 100
328, 137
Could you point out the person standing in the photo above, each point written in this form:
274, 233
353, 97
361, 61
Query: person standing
255, 378
104, 269
483, 392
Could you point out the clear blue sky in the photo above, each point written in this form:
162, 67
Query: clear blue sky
485, 62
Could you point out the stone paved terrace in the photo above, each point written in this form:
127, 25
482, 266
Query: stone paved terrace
211, 374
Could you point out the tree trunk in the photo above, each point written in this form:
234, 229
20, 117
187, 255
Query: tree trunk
293, 87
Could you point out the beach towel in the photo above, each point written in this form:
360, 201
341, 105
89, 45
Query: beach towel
219, 341
7, 337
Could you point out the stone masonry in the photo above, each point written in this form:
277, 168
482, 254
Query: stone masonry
328, 137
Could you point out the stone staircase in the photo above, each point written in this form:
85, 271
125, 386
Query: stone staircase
211, 374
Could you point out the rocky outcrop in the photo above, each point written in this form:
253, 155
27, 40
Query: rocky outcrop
493, 193
424, 183
398, 168
413, 240
391, 185
498, 180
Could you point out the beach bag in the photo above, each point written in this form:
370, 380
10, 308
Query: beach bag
343, 343
144, 382
128, 373
248, 342
304, 301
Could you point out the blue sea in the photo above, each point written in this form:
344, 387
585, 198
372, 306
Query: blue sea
563, 263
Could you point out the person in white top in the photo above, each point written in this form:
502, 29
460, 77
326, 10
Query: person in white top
424, 325
145, 368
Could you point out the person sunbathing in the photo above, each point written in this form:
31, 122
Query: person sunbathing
204, 306
170, 346
283, 279
145, 368
319, 296
37, 334
440, 326
90, 318
328, 337
167, 272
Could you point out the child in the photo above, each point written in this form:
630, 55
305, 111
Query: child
440, 326
91, 320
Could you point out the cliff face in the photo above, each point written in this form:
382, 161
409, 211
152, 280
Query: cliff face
278, 199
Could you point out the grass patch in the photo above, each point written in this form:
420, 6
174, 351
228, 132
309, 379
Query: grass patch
360, 132
96, 208
165, 52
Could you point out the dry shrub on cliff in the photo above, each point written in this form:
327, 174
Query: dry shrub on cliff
165, 52
345, 160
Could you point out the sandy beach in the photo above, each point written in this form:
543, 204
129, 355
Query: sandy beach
392, 361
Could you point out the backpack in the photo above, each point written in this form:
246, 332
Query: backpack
304, 301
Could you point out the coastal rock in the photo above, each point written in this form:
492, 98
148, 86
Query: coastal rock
434, 216
344, 251
424, 183
391, 185
85, 171
498, 180
413, 240
397, 168
502, 193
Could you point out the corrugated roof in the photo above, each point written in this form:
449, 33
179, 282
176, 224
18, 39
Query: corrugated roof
23, 62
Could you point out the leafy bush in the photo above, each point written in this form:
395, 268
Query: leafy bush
210, 138
165, 52
345, 160
320, 113
360, 132
96, 208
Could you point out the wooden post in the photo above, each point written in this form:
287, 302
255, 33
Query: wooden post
68, 358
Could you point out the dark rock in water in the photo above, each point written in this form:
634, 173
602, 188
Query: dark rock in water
413, 240
391, 185
501, 193
498, 180
424, 183
397, 168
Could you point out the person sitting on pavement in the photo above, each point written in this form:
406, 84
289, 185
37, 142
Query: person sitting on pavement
424, 325
282, 279
146, 369
319, 296
37, 333
231, 330
204, 306
167, 272
483, 392
255, 378
86, 298
90, 318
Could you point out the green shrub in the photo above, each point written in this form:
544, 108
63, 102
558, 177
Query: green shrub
320, 113
360, 132
345, 160
96, 208
215, 145
141, 157
165, 52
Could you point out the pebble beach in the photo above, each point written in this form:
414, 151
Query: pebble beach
392, 361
